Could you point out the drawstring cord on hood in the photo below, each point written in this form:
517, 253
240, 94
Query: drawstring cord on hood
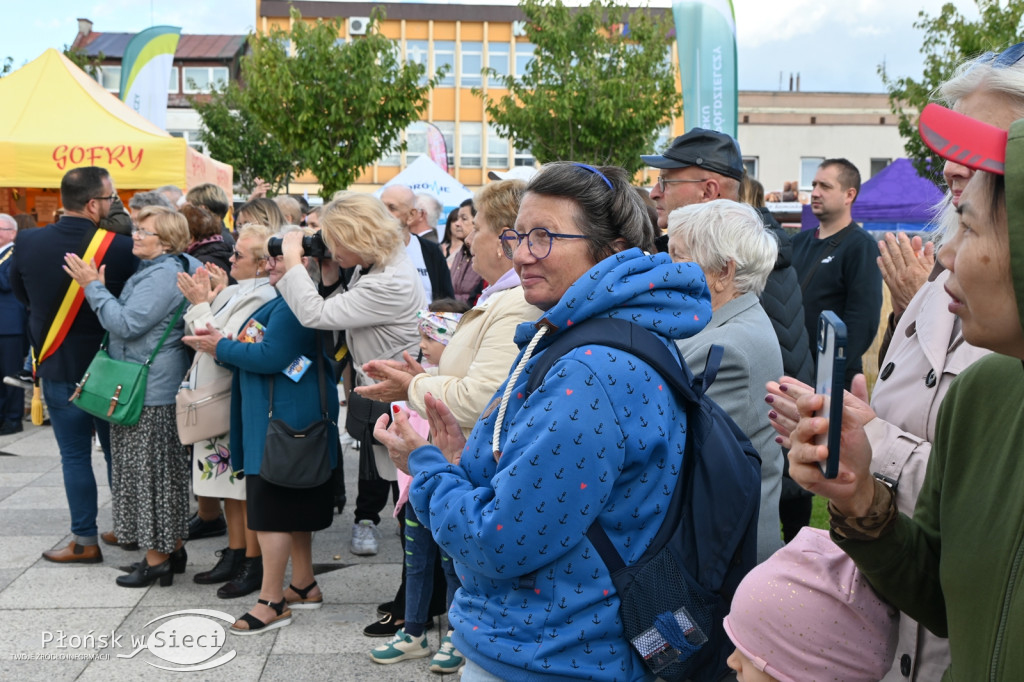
512, 382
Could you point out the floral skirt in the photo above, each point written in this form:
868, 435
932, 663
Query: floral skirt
212, 475
150, 480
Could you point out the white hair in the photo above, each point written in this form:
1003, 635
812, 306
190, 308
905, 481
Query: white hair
11, 222
430, 206
720, 231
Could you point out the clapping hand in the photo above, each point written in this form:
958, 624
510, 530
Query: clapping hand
196, 288
83, 272
218, 279
204, 340
906, 265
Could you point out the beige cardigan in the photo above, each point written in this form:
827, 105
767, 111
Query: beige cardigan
477, 360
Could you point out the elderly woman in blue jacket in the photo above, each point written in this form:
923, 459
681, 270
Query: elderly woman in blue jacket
150, 466
601, 438
284, 518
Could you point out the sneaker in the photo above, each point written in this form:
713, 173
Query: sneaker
364, 538
401, 647
447, 659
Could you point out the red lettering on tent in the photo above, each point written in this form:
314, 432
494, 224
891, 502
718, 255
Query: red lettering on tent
77, 156
114, 155
135, 160
60, 156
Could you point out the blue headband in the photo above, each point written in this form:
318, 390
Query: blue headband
596, 172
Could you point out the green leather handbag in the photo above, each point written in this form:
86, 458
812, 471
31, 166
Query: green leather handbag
115, 390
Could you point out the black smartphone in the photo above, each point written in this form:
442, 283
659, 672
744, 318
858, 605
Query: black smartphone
829, 382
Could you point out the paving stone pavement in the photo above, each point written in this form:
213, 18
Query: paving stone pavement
40, 601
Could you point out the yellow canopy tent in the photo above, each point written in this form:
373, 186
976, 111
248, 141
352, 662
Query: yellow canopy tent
55, 118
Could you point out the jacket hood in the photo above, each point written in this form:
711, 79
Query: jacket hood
785, 257
670, 299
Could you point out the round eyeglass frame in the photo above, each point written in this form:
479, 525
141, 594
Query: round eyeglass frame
510, 241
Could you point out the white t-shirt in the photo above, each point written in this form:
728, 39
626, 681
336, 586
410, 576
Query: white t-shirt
415, 253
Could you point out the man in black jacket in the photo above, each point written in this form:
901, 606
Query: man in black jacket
704, 165
39, 282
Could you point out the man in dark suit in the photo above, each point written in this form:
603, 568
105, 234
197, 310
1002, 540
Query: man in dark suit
39, 281
12, 334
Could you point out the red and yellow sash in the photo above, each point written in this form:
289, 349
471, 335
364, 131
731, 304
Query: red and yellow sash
72, 302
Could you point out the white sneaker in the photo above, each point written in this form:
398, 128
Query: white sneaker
402, 647
364, 538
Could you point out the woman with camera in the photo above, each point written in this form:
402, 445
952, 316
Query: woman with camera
377, 313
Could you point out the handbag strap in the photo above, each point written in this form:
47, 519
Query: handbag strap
174, 321
319, 377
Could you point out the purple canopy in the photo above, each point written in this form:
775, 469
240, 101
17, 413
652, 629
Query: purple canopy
895, 196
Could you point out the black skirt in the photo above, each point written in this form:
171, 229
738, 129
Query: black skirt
278, 509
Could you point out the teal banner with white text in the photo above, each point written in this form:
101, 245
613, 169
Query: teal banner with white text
706, 39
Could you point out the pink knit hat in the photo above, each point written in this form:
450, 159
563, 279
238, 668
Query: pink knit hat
807, 613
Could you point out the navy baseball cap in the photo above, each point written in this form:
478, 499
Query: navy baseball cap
708, 149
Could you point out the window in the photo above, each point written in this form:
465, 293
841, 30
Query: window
392, 159
750, 165
191, 137
416, 139
418, 52
470, 144
524, 55
172, 84
497, 58
878, 165
497, 149
110, 78
444, 54
663, 140
204, 78
525, 158
808, 167
471, 60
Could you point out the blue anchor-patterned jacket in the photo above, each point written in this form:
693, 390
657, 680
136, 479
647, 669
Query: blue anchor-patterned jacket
601, 439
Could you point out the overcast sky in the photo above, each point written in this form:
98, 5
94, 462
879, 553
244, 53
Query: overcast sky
834, 46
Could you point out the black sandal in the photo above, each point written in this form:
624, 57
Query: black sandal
304, 602
257, 626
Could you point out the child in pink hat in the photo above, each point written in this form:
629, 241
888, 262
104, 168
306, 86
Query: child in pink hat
808, 614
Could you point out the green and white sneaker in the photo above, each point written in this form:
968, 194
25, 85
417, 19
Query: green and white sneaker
447, 659
402, 647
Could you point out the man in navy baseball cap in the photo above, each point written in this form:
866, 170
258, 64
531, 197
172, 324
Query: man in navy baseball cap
699, 166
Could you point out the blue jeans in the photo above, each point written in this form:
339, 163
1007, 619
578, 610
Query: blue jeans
420, 550
474, 673
73, 430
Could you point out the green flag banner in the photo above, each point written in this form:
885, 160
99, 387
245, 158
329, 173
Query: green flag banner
706, 39
146, 71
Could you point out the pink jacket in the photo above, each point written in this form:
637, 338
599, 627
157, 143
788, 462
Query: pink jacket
926, 353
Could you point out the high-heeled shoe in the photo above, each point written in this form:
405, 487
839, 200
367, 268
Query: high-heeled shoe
144, 575
178, 559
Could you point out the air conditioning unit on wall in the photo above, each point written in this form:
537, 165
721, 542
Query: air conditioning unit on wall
357, 25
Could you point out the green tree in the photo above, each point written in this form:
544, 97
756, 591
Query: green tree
949, 39
233, 135
335, 107
591, 94
91, 65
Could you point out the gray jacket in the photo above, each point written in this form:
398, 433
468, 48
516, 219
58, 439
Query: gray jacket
752, 358
137, 320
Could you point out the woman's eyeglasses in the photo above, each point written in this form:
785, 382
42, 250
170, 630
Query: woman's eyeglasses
538, 241
1004, 59
136, 230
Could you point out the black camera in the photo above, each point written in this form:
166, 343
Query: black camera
313, 245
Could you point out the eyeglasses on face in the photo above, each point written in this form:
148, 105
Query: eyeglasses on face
662, 182
538, 241
136, 230
110, 198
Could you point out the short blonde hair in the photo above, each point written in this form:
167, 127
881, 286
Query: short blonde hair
171, 227
259, 234
720, 231
499, 202
361, 223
